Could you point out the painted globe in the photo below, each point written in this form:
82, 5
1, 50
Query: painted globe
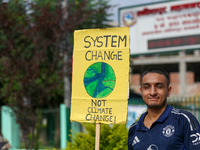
99, 80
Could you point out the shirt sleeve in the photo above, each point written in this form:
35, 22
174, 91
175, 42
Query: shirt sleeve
191, 131
129, 140
131, 135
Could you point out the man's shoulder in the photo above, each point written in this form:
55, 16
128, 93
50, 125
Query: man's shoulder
185, 117
133, 126
182, 114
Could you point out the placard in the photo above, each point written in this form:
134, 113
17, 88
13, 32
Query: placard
100, 78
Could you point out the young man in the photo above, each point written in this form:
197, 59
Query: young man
162, 127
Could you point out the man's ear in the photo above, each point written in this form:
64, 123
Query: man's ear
141, 89
169, 89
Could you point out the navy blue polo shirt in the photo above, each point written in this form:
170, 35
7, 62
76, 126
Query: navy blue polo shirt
175, 129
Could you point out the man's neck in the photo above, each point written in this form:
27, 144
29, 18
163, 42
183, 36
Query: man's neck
152, 115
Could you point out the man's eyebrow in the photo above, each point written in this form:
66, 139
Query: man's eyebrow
159, 83
146, 83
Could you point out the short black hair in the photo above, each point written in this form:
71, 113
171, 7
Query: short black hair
155, 70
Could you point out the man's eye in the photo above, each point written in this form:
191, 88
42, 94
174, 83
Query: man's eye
159, 86
146, 87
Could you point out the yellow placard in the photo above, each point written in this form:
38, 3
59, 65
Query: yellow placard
100, 77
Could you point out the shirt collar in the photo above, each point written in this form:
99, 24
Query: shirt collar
161, 119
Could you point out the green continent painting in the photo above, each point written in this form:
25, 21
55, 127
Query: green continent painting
99, 80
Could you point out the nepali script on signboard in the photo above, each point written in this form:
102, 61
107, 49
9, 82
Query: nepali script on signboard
163, 26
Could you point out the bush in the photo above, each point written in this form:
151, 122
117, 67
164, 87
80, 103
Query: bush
112, 137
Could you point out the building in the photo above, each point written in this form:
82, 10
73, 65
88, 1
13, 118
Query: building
167, 35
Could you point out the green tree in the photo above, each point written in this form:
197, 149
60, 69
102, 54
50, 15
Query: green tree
97, 20
113, 137
33, 41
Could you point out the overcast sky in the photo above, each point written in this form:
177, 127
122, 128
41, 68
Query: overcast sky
125, 3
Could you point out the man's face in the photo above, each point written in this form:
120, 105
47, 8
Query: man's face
154, 90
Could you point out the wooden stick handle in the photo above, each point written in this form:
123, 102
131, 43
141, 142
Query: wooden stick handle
97, 138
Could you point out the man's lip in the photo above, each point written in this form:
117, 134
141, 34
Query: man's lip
153, 98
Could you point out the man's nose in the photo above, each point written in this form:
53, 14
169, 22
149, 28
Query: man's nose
153, 90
